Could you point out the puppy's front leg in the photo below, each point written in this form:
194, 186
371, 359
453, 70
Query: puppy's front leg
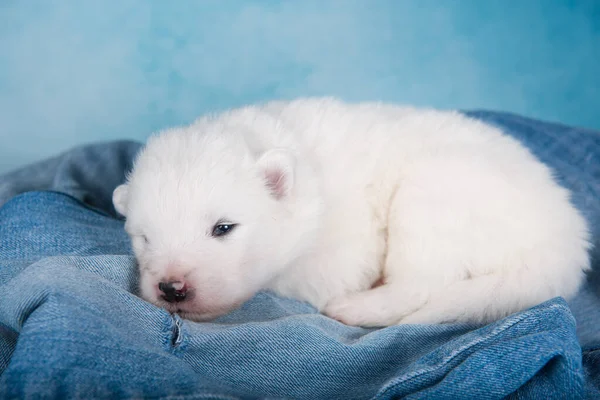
382, 306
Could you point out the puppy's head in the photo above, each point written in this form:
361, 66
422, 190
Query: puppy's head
211, 222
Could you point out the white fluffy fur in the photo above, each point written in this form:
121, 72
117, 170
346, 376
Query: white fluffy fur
460, 220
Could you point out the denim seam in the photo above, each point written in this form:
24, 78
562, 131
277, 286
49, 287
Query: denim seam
177, 334
167, 332
455, 353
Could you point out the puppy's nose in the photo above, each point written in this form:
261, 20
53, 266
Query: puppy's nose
173, 292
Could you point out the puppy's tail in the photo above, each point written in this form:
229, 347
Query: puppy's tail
490, 297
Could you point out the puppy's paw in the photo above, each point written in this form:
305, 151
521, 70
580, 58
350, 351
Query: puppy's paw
345, 310
377, 307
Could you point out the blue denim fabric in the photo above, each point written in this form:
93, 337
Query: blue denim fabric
88, 173
72, 326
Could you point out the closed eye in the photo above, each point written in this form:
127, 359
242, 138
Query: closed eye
222, 229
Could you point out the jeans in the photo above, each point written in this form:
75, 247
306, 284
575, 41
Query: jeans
72, 325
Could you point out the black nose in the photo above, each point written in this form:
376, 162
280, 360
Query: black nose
173, 292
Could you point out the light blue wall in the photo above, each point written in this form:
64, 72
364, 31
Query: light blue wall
74, 71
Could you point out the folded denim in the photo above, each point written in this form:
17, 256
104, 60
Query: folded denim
72, 326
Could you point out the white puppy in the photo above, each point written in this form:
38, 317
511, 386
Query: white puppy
373, 213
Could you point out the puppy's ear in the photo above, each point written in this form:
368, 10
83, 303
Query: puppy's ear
121, 198
277, 167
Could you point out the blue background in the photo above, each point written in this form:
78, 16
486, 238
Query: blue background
75, 71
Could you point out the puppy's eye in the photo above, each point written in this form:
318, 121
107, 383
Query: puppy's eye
222, 229
145, 239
